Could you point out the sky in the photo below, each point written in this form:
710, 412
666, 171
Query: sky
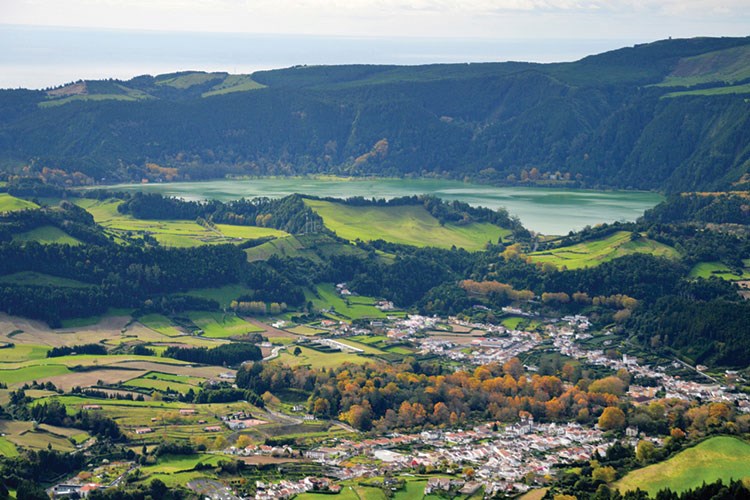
46, 42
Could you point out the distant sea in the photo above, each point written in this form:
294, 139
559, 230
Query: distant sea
41, 57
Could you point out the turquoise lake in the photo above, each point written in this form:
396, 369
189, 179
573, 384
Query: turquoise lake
544, 210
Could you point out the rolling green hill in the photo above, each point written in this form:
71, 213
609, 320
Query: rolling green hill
722, 458
594, 252
410, 225
600, 121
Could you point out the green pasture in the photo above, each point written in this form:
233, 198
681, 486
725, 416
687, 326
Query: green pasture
356, 308
713, 91
159, 385
87, 360
289, 246
719, 270
368, 349
32, 278
176, 233
317, 359
161, 324
512, 322
187, 80
249, 232
716, 458
726, 66
234, 83
10, 203
410, 225
369, 339
7, 449
31, 373
22, 352
595, 252
46, 235
219, 325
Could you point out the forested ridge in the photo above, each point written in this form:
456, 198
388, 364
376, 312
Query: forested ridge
614, 119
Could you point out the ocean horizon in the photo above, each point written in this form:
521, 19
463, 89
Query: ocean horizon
37, 57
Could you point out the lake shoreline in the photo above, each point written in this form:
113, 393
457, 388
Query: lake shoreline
542, 209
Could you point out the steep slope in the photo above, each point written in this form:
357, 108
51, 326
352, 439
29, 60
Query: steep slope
618, 119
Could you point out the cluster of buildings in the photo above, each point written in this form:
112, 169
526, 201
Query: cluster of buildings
287, 489
501, 459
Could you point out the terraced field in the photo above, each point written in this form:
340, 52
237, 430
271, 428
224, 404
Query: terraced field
595, 252
410, 225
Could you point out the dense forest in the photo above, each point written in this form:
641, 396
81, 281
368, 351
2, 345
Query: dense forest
617, 119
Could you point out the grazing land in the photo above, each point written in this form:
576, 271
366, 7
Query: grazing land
318, 359
409, 225
719, 270
221, 325
325, 297
46, 235
721, 457
176, 233
595, 252
10, 203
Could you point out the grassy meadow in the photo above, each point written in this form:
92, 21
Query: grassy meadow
719, 270
325, 296
595, 252
716, 458
10, 203
219, 325
46, 235
410, 225
175, 233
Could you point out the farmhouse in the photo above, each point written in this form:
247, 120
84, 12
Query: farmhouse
91, 407
144, 430
212, 428
188, 411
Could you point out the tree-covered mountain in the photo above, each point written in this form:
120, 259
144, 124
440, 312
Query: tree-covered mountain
671, 115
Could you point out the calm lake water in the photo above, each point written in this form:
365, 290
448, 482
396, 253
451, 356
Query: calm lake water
547, 211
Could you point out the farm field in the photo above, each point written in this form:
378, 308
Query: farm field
326, 297
317, 359
595, 252
176, 233
10, 203
234, 83
410, 225
221, 325
23, 434
161, 324
46, 235
716, 458
708, 269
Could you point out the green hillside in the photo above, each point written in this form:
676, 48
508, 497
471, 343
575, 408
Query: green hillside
409, 225
600, 121
722, 458
595, 252
10, 203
